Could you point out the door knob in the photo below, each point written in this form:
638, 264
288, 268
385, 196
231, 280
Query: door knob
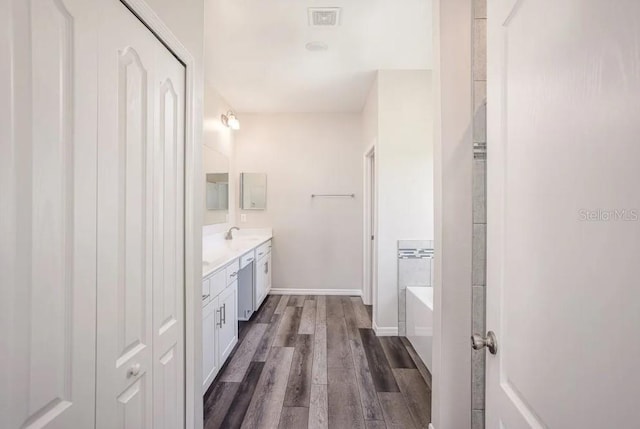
479, 342
134, 370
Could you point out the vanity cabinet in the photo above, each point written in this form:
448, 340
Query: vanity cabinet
231, 293
219, 320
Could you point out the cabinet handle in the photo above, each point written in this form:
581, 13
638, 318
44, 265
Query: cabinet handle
205, 297
266, 267
219, 311
261, 253
224, 313
234, 274
250, 259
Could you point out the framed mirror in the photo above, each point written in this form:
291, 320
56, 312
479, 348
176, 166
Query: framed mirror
253, 191
216, 176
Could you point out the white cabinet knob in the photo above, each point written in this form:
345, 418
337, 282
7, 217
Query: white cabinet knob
134, 370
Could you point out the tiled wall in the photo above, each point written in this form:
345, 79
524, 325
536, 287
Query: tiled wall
479, 208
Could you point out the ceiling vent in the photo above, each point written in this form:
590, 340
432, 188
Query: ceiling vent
324, 16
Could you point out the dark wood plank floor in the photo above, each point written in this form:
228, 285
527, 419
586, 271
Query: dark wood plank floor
314, 362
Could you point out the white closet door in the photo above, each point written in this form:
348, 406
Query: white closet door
168, 245
48, 220
140, 227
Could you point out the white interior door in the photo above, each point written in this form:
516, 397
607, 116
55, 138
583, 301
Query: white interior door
563, 201
140, 227
168, 242
48, 206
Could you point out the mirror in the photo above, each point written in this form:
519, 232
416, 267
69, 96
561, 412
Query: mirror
217, 191
253, 191
216, 175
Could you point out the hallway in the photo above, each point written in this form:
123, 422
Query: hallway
314, 361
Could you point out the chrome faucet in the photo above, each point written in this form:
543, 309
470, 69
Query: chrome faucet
229, 235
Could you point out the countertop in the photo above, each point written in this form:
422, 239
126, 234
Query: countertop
218, 252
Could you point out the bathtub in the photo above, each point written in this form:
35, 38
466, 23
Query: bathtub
420, 321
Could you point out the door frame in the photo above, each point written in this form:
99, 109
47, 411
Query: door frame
453, 161
369, 266
192, 221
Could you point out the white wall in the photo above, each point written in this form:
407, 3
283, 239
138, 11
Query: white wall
221, 139
317, 242
370, 116
399, 116
185, 18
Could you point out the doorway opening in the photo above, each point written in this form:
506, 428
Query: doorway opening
370, 229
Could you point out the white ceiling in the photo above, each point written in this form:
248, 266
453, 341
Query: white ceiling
255, 54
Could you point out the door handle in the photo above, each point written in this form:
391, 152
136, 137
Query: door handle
133, 371
479, 342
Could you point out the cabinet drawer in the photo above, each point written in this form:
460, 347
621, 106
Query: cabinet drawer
232, 272
263, 250
217, 282
206, 292
247, 258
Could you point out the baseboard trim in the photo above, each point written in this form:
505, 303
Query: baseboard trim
287, 291
385, 331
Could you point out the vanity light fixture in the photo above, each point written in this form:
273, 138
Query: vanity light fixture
230, 120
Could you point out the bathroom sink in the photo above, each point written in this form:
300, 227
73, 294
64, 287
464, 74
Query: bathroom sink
215, 259
247, 239
242, 243
217, 253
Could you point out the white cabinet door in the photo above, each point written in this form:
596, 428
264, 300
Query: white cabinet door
268, 275
260, 281
140, 230
228, 332
564, 237
210, 314
48, 205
